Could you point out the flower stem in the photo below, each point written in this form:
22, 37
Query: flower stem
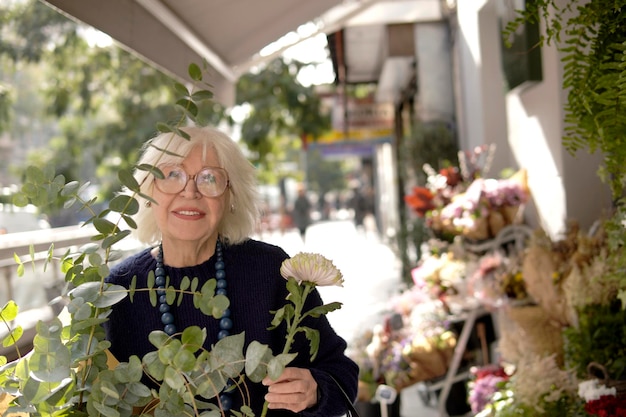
292, 326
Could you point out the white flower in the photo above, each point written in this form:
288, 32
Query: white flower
591, 390
313, 268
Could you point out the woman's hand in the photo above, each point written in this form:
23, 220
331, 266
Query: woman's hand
294, 390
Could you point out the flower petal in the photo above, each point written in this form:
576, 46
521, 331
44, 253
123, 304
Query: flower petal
313, 268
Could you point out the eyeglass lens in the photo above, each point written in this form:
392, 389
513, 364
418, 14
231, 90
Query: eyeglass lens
211, 182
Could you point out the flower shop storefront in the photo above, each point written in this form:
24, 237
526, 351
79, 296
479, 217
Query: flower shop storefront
500, 319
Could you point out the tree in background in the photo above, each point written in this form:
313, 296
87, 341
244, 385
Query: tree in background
95, 105
281, 113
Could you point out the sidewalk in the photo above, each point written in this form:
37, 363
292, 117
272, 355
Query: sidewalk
371, 272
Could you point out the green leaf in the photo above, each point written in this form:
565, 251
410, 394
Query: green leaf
50, 360
88, 248
173, 378
202, 95
113, 239
188, 106
109, 390
181, 89
184, 360
128, 180
132, 287
105, 410
129, 221
184, 283
89, 291
111, 295
195, 72
13, 337
277, 365
217, 305
279, 316
95, 258
70, 188
9, 311
295, 291
104, 226
193, 338
324, 309
158, 338
151, 169
257, 357
313, 335
19, 200
34, 175
154, 366
163, 127
83, 312
168, 351
227, 355
124, 204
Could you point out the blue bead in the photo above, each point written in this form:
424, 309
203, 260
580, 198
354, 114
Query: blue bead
162, 299
221, 283
221, 291
167, 318
226, 323
159, 281
219, 265
226, 402
164, 308
226, 313
159, 272
160, 291
170, 329
222, 334
220, 274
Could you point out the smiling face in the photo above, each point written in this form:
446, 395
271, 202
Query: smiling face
188, 219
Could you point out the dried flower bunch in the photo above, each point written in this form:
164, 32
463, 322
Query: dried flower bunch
548, 266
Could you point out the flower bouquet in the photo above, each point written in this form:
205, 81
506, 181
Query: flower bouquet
497, 280
463, 201
405, 349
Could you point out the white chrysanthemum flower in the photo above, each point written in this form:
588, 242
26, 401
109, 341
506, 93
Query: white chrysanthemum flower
312, 267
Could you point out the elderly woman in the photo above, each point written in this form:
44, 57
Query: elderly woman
198, 223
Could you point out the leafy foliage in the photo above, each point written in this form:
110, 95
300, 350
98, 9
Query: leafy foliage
592, 39
281, 108
600, 337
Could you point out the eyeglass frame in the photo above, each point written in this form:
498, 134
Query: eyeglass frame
194, 178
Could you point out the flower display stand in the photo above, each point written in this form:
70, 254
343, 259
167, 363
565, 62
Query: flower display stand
454, 374
373, 409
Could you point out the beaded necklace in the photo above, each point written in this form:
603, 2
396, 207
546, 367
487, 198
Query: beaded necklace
167, 318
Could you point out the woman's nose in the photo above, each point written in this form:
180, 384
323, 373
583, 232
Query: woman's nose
191, 187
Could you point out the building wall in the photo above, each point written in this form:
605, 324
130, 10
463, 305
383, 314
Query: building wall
525, 123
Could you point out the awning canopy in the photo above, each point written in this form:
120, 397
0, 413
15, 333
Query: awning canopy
230, 34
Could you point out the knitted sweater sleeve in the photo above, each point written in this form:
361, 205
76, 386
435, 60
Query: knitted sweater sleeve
331, 367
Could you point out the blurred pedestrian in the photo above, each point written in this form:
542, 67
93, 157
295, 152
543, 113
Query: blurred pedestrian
302, 211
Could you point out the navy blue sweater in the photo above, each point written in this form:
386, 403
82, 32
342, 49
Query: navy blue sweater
255, 287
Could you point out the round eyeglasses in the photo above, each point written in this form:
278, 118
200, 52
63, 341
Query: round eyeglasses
210, 181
